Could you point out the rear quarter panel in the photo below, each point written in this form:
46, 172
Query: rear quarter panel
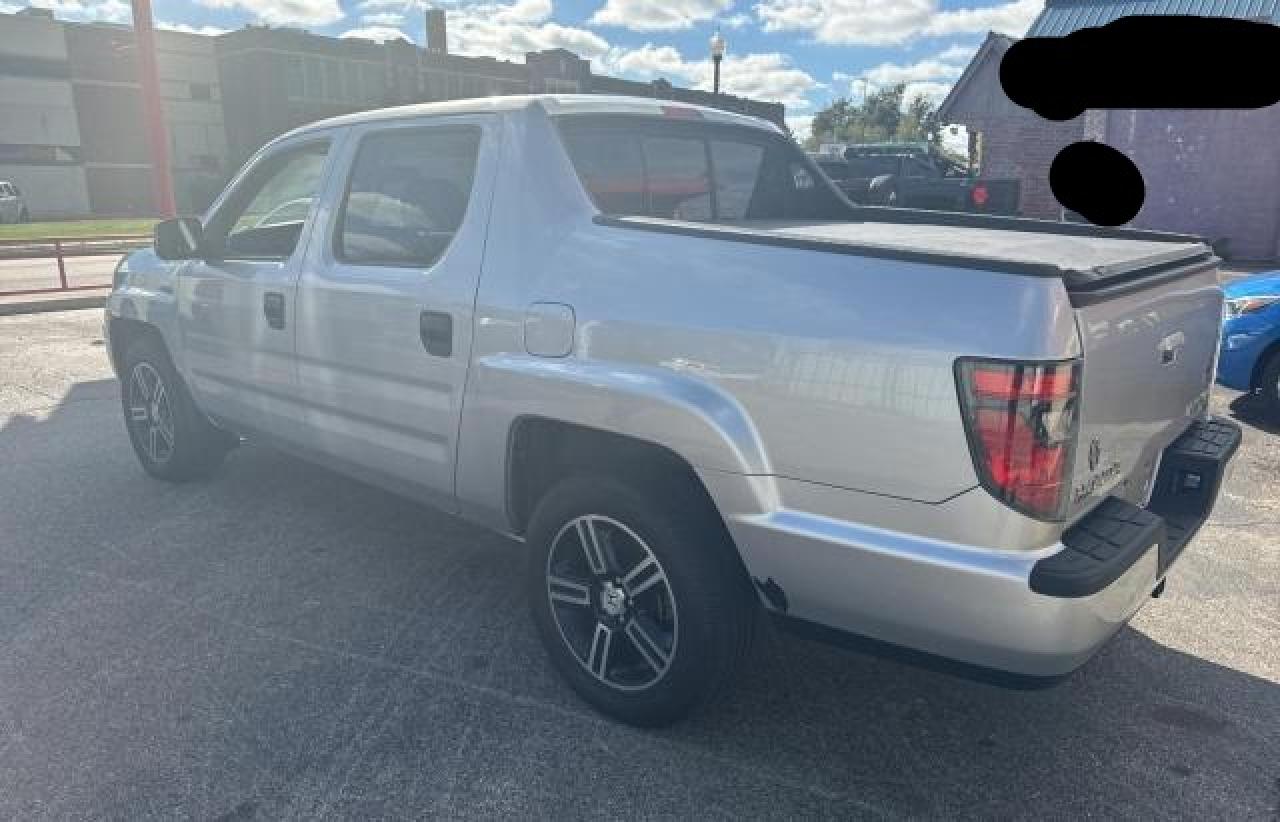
823, 367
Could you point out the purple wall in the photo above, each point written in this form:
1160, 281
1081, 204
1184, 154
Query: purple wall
1213, 173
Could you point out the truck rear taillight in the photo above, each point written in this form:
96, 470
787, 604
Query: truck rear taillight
980, 195
1022, 423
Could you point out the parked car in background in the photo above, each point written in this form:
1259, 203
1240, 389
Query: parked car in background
1250, 358
13, 207
651, 342
908, 175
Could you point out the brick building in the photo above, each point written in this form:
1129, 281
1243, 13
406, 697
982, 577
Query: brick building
71, 126
1212, 173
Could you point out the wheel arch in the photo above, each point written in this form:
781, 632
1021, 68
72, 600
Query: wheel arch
543, 450
1260, 364
124, 332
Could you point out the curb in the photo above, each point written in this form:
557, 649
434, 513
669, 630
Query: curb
37, 306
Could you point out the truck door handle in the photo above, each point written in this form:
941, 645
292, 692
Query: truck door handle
273, 308
436, 330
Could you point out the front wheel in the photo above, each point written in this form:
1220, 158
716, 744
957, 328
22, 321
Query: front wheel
171, 438
1269, 389
639, 598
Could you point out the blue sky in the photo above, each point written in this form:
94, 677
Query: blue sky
800, 52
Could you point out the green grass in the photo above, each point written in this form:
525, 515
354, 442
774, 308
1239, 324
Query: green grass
74, 229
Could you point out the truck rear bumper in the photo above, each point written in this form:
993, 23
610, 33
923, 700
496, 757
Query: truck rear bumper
1030, 613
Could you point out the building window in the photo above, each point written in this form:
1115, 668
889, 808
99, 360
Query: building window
333, 80
296, 77
315, 80
201, 91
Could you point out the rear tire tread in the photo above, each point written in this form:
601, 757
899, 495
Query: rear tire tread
706, 576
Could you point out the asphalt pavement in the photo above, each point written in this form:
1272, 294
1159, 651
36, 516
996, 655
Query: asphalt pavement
27, 274
283, 642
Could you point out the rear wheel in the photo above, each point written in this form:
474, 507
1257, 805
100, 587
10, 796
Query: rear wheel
1269, 389
638, 596
170, 436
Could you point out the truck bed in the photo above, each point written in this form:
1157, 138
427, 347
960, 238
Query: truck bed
1093, 262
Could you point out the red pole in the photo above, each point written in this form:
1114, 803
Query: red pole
153, 114
62, 265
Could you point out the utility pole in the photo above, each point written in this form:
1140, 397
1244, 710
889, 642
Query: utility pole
717, 55
152, 112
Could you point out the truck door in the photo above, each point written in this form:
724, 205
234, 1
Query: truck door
385, 300
237, 313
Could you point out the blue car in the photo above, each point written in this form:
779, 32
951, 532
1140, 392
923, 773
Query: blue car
1250, 358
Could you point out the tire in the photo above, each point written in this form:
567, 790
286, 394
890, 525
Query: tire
652, 637
1269, 387
173, 440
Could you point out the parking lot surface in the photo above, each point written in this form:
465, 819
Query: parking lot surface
282, 642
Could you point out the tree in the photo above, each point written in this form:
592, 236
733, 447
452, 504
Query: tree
882, 116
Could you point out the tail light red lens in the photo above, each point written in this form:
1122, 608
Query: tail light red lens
1022, 423
980, 195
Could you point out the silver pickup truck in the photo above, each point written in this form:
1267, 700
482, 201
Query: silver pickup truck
654, 344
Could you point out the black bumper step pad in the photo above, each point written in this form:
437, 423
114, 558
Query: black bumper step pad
1105, 544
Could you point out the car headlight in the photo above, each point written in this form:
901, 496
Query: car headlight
1240, 306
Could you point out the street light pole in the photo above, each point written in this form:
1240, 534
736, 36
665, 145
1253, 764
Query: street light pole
717, 55
153, 115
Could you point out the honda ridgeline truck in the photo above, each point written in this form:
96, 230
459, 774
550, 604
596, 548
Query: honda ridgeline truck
656, 345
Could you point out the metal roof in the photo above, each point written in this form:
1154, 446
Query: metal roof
1061, 17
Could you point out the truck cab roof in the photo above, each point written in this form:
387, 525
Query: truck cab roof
551, 104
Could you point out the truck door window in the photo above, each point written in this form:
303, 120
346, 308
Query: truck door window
678, 178
264, 216
407, 196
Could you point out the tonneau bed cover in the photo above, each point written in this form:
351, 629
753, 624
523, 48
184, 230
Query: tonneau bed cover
1094, 263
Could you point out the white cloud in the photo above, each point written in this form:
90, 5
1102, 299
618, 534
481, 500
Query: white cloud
1012, 18
285, 12
891, 22
890, 74
495, 29
503, 30
383, 18
207, 31
658, 15
801, 126
379, 34
931, 77
735, 21
6, 8
104, 11
768, 76
933, 92
957, 53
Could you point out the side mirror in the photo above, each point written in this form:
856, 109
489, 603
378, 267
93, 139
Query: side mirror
179, 239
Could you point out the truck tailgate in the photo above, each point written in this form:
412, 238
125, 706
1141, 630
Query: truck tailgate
1149, 353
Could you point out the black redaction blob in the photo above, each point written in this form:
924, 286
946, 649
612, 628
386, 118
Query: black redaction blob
1097, 182
1146, 62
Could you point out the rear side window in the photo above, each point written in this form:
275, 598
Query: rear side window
407, 196
738, 171
695, 172
678, 177
612, 170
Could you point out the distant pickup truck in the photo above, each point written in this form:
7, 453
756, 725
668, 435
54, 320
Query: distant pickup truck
653, 344
909, 177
